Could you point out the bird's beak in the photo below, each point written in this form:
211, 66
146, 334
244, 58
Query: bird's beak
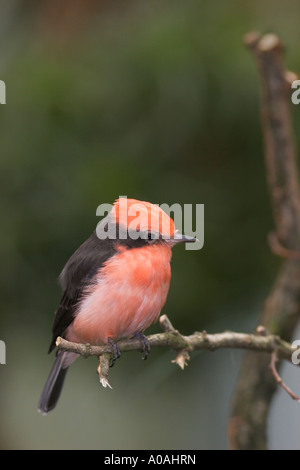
180, 238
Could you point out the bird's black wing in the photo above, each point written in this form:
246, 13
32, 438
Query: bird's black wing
64, 315
79, 272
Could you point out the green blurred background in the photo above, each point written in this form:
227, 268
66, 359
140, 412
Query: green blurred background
159, 101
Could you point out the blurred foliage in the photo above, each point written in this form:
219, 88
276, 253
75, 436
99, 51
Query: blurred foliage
158, 101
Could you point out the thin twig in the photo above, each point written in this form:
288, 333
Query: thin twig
103, 369
274, 359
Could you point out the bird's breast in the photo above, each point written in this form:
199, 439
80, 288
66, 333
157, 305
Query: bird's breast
128, 295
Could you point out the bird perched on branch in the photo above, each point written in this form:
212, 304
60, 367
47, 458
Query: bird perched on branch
114, 285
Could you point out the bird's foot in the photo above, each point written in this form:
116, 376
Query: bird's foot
145, 344
116, 353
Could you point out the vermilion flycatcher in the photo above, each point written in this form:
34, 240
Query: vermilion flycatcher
114, 285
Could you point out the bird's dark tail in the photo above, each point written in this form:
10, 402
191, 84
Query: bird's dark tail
54, 384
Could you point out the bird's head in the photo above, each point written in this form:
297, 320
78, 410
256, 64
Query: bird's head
143, 222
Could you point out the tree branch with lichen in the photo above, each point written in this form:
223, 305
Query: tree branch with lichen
171, 338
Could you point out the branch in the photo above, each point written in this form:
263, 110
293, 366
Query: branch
195, 342
279, 147
183, 345
256, 386
274, 359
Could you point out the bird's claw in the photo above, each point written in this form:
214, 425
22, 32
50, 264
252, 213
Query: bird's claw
116, 353
145, 344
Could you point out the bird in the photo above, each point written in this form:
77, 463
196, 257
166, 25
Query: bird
114, 285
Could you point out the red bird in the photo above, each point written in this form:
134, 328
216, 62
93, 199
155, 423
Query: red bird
113, 287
